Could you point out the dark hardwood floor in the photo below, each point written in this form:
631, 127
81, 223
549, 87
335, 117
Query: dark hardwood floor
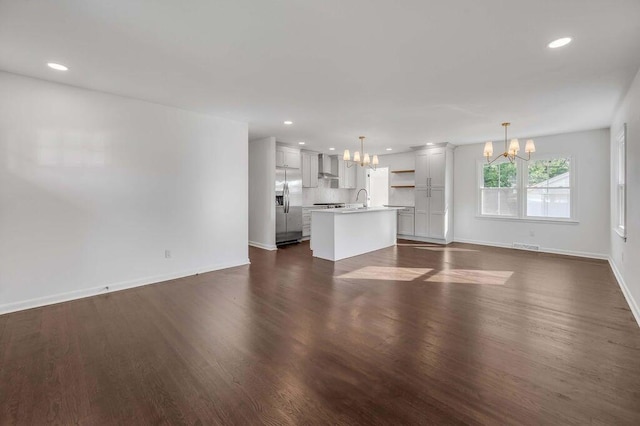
415, 334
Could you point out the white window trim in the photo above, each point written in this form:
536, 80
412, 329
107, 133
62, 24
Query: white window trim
521, 186
480, 178
621, 139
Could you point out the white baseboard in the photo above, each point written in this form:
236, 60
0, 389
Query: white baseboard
633, 306
79, 294
263, 246
422, 239
589, 255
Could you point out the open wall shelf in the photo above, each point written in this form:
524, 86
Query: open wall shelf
402, 171
403, 186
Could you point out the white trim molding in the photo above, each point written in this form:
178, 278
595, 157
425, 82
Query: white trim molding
600, 256
633, 306
109, 288
262, 246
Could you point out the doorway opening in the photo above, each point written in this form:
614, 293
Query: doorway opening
378, 186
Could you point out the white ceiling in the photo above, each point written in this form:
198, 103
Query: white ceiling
399, 72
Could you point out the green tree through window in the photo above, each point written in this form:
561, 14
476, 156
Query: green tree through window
542, 170
501, 175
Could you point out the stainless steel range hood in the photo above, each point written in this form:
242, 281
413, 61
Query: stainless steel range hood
324, 167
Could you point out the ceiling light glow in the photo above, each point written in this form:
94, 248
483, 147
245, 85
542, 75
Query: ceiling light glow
300, 143
332, 149
389, 149
57, 67
288, 123
559, 42
429, 143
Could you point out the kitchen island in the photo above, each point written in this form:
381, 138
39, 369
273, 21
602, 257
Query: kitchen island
340, 233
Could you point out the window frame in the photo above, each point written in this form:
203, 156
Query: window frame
522, 179
479, 188
621, 183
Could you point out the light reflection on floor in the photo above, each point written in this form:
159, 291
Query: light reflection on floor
390, 273
435, 248
471, 276
458, 276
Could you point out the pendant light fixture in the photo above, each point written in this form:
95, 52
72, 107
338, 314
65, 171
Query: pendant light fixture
366, 161
510, 150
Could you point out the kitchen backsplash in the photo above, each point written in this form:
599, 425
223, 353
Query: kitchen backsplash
401, 197
325, 194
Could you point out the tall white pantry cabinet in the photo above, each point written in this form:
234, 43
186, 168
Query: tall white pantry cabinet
434, 194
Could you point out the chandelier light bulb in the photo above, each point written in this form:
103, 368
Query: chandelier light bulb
375, 160
347, 155
514, 147
530, 147
367, 160
488, 149
356, 156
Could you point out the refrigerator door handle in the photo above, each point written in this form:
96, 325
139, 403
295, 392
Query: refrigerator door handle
286, 197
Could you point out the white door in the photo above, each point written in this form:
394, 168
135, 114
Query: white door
437, 163
306, 171
436, 213
422, 212
422, 170
379, 187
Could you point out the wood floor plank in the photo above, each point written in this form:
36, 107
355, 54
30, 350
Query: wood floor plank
412, 334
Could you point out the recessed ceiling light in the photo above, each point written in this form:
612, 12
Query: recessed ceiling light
429, 143
288, 123
332, 149
560, 42
300, 143
58, 67
389, 149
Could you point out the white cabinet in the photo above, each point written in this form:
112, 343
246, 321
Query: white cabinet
406, 219
434, 194
309, 169
347, 177
431, 167
306, 222
287, 157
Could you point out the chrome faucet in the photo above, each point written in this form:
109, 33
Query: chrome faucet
366, 200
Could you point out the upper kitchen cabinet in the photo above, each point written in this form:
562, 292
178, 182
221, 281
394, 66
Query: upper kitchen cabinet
347, 177
287, 157
431, 167
309, 169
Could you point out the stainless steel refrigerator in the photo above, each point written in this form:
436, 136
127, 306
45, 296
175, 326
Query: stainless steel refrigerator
288, 206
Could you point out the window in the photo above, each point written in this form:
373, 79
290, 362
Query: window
498, 192
549, 188
621, 184
539, 189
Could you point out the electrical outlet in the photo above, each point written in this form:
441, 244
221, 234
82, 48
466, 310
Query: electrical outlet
167, 254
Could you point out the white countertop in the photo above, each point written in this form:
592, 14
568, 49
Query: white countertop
345, 210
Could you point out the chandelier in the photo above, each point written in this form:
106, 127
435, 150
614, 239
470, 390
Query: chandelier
366, 160
511, 150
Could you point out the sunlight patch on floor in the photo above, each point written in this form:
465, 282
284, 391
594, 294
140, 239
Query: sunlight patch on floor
457, 276
443, 249
471, 276
391, 273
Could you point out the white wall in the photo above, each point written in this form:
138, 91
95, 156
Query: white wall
625, 256
94, 188
400, 161
589, 237
262, 193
